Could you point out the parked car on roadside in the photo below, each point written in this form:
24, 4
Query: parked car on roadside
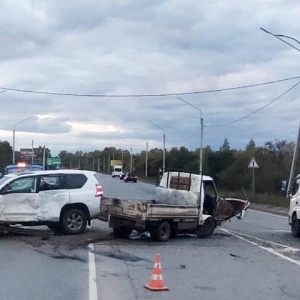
64, 200
130, 177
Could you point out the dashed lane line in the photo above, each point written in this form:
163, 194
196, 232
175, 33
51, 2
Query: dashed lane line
93, 295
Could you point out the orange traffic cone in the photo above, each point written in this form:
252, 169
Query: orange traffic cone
156, 282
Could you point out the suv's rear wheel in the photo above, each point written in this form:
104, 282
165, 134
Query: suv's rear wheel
74, 221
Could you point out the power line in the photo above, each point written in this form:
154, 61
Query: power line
254, 112
148, 95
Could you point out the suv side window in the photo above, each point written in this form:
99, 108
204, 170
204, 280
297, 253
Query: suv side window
75, 181
51, 182
21, 185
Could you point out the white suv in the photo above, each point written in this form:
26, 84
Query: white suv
64, 200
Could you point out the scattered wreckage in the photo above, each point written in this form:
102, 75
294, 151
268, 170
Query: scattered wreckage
184, 203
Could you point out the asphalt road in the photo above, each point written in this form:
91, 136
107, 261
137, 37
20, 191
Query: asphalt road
255, 258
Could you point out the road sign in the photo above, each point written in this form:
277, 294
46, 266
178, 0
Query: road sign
26, 152
253, 163
54, 161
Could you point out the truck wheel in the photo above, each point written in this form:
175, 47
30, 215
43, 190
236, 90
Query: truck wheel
207, 228
122, 232
161, 233
295, 227
74, 221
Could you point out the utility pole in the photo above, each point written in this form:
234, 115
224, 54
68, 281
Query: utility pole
130, 160
294, 162
146, 167
164, 153
201, 133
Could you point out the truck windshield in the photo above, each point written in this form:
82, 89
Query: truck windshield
296, 186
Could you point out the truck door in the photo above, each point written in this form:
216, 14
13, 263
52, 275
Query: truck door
210, 197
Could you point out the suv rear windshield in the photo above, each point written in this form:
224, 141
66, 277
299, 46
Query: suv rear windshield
75, 181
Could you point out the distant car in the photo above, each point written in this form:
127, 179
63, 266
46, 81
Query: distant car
130, 177
122, 175
64, 200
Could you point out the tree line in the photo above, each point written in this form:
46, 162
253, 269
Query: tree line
228, 167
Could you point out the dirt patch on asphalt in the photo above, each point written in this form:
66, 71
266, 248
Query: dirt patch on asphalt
41, 237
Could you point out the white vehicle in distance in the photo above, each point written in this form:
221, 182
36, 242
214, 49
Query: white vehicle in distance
64, 200
117, 170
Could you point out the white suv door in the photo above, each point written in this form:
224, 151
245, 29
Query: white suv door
19, 200
53, 195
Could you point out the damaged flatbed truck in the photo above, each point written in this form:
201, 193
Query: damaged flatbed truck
184, 203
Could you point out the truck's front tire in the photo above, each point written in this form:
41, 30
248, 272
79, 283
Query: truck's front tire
207, 228
161, 233
295, 226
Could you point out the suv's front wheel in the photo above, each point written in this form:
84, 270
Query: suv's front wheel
74, 221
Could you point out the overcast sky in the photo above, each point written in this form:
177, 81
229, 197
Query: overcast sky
125, 47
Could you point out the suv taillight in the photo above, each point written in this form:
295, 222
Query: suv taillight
99, 190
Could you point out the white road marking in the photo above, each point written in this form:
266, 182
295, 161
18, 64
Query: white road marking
264, 241
270, 250
268, 214
93, 295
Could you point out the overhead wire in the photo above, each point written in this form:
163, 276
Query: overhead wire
149, 95
246, 116
257, 110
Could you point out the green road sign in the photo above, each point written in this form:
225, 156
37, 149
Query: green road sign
54, 161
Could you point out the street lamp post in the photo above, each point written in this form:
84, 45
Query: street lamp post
295, 155
130, 160
32, 144
164, 145
201, 134
14, 138
280, 36
146, 164
44, 153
